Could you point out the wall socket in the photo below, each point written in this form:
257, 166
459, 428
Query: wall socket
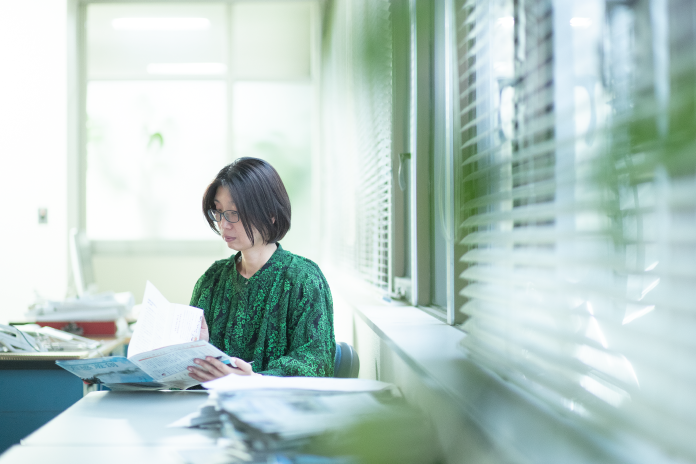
43, 215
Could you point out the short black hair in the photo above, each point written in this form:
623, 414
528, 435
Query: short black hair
259, 195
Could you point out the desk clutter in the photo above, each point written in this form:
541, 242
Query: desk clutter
310, 421
32, 338
88, 314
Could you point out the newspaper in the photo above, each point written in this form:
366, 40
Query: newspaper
160, 368
162, 347
162, 323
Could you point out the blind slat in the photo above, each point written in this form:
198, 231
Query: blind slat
578, 246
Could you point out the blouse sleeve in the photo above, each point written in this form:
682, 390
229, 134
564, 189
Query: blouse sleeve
197, 290
311, 341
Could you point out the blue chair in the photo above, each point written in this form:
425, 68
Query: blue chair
346, 363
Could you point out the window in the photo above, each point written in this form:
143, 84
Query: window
173, 92
431, 186
577, 178
156, 109
566, 130
357, 140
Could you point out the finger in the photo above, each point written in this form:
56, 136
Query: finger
204, 334
207, 367
218, 365
242, 365
212, 368
203, 366
215, 362
202, 375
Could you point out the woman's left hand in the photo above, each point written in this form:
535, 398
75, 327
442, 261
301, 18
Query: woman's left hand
211, 369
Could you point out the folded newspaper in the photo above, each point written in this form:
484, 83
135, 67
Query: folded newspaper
162, 347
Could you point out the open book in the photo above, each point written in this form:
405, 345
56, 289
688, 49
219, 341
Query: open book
164, 343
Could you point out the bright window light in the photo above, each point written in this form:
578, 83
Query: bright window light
633, 314
187, 68
507, 22
502, 66
160, 24
580, 23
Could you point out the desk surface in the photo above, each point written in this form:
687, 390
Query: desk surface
96, 454
134, 419
118, 427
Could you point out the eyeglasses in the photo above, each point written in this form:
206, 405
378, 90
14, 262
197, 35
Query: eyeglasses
230, 215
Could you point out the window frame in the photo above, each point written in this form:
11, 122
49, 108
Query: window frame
432, 126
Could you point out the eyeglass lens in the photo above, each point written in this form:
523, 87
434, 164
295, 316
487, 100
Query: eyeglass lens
230, 216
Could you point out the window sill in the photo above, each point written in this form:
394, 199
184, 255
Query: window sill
510, 425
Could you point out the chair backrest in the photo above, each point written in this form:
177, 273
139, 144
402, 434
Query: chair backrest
347, 363
81, 263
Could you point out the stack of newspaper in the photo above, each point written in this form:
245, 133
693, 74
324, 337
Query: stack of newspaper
106, 306
318, 420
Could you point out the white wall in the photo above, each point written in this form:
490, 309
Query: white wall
33, 153
174, 276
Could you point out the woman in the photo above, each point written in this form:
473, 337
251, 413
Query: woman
264, 305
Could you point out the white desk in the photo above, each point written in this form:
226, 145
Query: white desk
91, 454
116, 427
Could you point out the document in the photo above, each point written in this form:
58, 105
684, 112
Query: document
162, 347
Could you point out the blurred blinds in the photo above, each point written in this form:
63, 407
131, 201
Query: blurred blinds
356, 108
578, 210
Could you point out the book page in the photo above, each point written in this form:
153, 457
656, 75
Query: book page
162, 323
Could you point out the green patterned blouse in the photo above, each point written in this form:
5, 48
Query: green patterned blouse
281, 318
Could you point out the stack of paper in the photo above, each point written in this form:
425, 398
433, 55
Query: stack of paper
289, 408
324, 420
239, 383
102, 307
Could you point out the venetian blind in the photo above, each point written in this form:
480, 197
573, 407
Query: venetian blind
578, 211
357, 105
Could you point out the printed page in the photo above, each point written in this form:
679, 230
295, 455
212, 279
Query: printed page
113, 369
162, 323
149, 332
169, 365
183, 324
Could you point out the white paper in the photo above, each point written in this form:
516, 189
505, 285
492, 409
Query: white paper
162, 323
239, 383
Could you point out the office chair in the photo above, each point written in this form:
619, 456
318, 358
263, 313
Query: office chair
81, 263
346, 363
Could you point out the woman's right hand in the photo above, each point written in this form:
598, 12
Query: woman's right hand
211, 368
